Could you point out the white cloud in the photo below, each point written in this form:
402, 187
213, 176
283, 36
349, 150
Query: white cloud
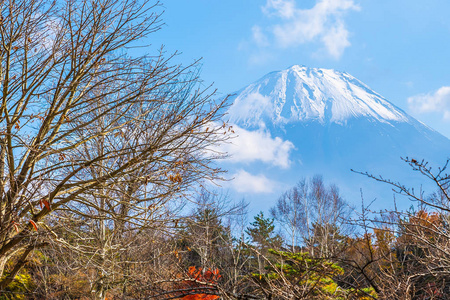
281, 8
324, 23
336, 40
438, 101
251, 104
259, 37
250, 146
245, 182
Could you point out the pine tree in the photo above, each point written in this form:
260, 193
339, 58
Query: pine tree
263, 238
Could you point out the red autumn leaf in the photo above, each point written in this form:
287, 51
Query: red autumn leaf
46, 204
210, 276
200, 297
43, 203
34, 225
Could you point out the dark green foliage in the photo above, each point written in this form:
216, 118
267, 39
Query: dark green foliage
262, 233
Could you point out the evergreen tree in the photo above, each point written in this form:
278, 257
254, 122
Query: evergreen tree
263, 238
262, 233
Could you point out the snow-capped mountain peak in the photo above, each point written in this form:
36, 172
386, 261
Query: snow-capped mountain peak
301, 94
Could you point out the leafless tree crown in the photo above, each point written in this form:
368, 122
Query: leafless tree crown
89, 128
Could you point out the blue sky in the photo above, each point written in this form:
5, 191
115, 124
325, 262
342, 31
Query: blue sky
399, 48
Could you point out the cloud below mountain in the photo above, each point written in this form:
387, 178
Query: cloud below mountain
249, 146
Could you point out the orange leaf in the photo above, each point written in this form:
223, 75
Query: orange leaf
191, 270
16, 227
43, 203
34, 225
47, 205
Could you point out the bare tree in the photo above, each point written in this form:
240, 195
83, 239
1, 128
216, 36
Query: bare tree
292, 213
89, 130
313, 213
415, 262
206, 231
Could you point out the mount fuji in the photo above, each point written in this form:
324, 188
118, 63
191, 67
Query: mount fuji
303, 121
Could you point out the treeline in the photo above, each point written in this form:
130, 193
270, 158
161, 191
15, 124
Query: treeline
312, 245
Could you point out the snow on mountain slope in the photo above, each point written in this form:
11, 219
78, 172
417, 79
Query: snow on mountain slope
327, 122
303, 94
